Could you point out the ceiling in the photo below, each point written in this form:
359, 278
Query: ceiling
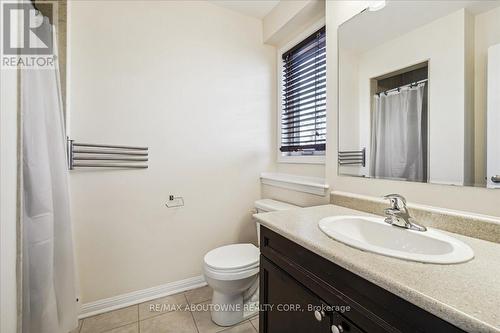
254, 8
369, 29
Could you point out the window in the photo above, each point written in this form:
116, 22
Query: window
303, 105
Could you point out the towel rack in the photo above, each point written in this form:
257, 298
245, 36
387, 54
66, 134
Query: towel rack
92, 155
352, 157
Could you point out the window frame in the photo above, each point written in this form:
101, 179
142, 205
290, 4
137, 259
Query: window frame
300, 159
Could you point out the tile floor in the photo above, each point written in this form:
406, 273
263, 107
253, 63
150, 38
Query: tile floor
140, 319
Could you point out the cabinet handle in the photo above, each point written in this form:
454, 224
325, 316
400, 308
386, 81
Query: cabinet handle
337, 328
319, 315
495, 179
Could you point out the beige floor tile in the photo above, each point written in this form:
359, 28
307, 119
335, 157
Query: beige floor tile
199, 295
130, 328
255, 322
246, 327
160, 306
204, 321
109, 320
172, 322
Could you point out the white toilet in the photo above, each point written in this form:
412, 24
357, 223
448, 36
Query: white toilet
232, 272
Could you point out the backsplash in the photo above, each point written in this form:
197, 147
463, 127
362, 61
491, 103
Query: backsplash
472, 225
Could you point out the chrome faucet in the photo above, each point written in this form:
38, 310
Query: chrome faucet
398, 215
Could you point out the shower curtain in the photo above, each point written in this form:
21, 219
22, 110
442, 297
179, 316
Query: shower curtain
49, 302
397, 149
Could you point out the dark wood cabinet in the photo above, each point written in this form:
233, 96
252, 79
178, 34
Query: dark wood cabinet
288, 301
301, 291
294, 308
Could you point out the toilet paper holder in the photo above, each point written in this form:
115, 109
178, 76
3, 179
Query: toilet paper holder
174, 201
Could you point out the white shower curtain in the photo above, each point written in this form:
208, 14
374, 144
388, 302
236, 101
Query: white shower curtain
48, 274
397, 150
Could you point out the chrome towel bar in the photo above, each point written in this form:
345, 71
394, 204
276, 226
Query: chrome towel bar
123, 159
109, 165
94, 145
352, 157
91, 155
111, 152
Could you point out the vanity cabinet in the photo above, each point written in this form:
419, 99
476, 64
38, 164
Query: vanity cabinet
294, 308
301, 291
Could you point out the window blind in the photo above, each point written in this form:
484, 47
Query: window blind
303, 116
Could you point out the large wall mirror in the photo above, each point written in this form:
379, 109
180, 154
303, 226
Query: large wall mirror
419, 93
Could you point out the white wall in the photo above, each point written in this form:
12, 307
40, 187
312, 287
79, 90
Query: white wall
468, 100
195, 83
8, 196
487, 33
284, 24
290, 18
350, 122
478, 200
8, 199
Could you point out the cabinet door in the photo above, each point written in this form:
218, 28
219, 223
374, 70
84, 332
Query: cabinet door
288, 306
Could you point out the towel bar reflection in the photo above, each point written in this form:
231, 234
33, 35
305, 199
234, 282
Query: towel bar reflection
352, 157
92, 155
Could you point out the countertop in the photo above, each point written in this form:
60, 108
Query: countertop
466, 295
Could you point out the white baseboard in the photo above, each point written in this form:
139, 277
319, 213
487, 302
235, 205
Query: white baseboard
139, 296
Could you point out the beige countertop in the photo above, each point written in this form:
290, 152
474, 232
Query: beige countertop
466, 295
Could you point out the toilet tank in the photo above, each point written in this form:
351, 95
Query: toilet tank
270, 205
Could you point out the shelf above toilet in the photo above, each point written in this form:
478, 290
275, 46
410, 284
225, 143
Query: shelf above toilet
312, 185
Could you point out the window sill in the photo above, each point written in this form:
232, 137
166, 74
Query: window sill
302, 159
312, 185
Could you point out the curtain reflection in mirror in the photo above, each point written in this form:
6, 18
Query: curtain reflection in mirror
398, 134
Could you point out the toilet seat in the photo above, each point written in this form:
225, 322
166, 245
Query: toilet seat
231, 276
232, 262
232, 257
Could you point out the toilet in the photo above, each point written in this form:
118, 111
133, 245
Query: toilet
232, 272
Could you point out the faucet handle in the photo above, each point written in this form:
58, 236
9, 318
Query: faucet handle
397, 201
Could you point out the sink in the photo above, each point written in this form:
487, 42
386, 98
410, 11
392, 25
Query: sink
374, 235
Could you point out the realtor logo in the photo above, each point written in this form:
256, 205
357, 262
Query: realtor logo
27, 39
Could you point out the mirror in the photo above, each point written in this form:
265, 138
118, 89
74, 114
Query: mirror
419, 93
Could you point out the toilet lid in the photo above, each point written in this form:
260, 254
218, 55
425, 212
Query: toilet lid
234, 256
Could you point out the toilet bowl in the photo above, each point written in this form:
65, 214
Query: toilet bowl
232, 272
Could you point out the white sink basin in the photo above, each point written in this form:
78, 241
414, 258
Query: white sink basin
374, 235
